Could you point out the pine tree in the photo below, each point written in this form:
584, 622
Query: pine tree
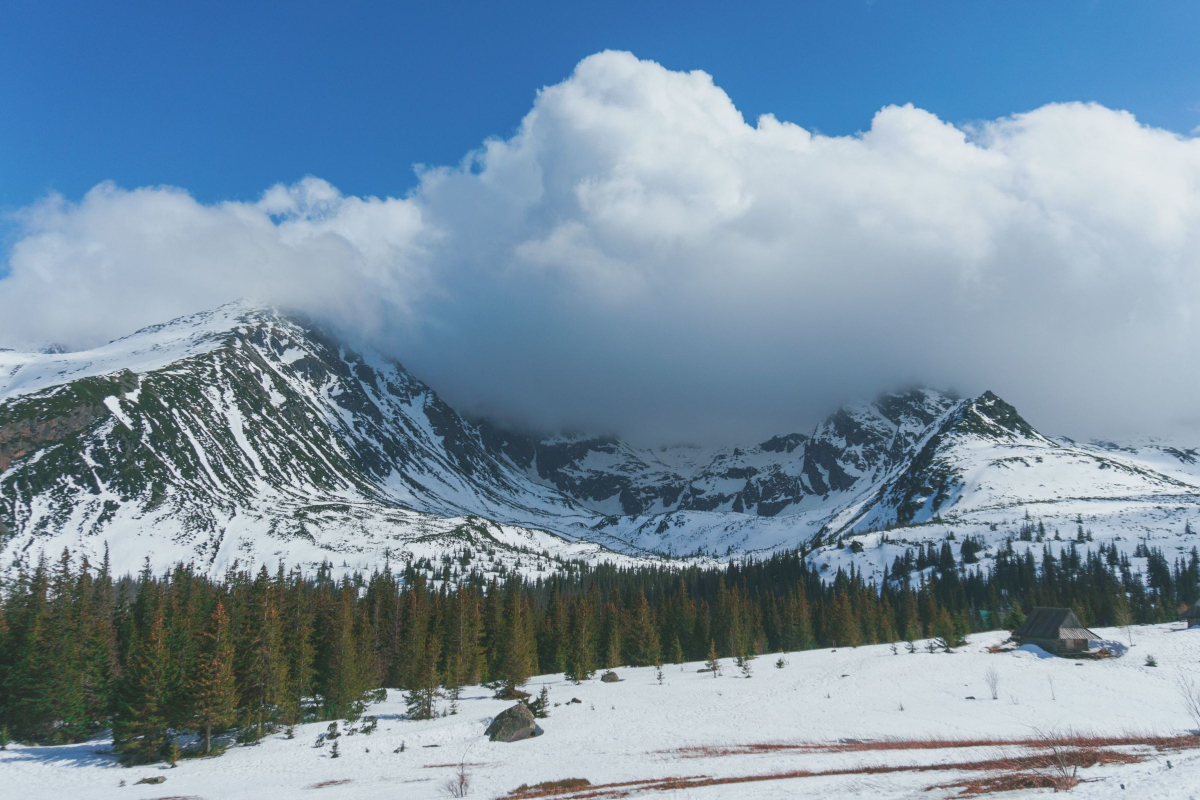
215, 692
676, 651
516, 665
263, 676
540, 707
299, 650
140, 725
100, 650
423, 689
643, 644
713, 664
64, 643
612, 636
344, 679
845, 623
579, 656
27, 697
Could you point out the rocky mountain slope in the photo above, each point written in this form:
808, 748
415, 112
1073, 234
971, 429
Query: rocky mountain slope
243, 433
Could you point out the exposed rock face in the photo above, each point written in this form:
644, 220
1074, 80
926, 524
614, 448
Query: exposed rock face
27, 426
513, 724
853, 447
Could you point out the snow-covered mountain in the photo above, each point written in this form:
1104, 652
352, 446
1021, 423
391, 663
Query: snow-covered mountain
245, 433
242, 433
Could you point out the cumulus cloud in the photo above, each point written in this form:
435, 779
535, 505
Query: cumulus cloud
638, 257
82, 273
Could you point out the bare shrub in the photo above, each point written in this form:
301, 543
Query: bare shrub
1189, 690
459, 784
1065, 758
992, 678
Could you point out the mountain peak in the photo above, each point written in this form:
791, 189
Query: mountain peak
992, 416
147, 349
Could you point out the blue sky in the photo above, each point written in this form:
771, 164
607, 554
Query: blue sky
225, 99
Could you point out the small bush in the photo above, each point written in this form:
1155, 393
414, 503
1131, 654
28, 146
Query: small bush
1151, 661
540, 707
460, 783
993, 682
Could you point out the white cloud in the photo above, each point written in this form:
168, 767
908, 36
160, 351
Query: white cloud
84, 272
639, 257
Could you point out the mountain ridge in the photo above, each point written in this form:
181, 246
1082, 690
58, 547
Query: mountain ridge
245, 432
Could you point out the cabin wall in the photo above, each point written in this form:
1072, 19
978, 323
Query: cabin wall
1056, 646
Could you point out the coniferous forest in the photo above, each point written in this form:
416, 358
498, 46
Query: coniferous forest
161, 659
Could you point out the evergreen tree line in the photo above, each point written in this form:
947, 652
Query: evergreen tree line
155, 656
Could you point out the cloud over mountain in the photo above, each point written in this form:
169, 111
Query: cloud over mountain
637, 256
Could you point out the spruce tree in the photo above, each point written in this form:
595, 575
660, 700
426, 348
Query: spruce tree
140, 725
517, 664
264, 675
299, 650
713, 664
215, 704
344, 679
579, 656
643, 645
423, 689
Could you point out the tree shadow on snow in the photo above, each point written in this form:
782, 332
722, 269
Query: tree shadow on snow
94, 753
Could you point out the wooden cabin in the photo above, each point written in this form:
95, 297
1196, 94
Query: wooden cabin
1055, 630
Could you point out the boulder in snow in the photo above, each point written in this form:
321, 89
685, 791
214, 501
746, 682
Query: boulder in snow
513, 724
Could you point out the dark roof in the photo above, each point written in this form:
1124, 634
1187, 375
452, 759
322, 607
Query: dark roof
1053, 623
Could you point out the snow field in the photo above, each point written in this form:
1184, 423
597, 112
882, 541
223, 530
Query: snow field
638, 730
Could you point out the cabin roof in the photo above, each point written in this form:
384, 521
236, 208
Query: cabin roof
1053, 623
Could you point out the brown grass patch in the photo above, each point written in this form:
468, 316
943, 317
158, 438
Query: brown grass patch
1019, 765
974, 787
1187, 742
326, 784
1047, 761
550, 788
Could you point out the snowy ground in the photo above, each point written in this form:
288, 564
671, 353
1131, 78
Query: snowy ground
634, 730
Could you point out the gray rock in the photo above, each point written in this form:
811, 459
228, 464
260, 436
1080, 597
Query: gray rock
609, 677
156, 779
513, 724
